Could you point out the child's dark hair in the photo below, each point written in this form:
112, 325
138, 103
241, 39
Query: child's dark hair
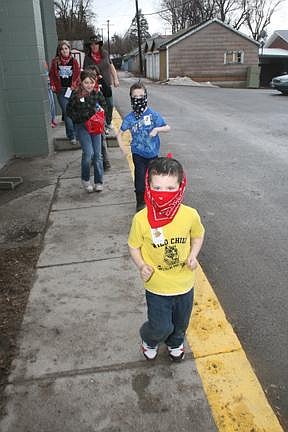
86, 73
165, 166
136, 86
94, 68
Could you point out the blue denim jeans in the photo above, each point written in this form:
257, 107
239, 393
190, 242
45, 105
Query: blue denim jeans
91, 151
51, 103
168, 318
140, 168
69, 125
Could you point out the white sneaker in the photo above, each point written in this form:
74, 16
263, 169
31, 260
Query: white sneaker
98, 187
177, 354
73, 141
149, 352
87, 186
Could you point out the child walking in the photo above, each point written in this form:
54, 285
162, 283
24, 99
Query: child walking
107, 93
64, 77
164, 242
145, 125
83, 104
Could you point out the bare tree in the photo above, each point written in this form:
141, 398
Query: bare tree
74, 18
254, 15
184, 13
258, 17
174, 13
226, 9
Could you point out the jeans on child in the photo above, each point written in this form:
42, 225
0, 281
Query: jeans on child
168, 318
140, 168
69, 125
91, 151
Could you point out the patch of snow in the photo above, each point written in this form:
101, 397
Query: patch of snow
188, 81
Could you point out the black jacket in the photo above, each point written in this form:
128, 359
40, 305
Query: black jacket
105, 88
79, 111
104, 66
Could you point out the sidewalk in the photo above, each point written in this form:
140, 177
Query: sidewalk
79, 367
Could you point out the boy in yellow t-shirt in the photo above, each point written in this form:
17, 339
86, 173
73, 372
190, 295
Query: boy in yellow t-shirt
164, 242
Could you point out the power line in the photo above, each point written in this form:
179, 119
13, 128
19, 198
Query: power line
160, 11
168, 9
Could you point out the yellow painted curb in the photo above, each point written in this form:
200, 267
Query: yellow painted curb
237, 400
234, 393
209, 332
126, 138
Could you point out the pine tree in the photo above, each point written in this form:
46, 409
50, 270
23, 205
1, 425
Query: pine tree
144, 28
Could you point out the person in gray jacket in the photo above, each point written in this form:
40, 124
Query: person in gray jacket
97, 55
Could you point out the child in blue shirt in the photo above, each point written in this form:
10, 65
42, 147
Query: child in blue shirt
144, 124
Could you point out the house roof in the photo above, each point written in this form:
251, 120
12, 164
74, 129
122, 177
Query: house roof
134, 52
283, 34
182, 34
153, 43
273, 52
150, 44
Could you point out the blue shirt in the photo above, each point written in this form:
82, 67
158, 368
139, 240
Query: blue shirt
142, 144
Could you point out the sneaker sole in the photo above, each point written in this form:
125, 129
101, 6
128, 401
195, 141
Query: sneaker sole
149, 359
177, 359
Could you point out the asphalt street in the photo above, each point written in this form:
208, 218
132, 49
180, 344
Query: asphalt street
233, 143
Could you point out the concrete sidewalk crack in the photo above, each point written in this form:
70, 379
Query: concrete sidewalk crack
95, 370
91, 206
82, 262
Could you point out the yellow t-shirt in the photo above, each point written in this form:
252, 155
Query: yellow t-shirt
166, 249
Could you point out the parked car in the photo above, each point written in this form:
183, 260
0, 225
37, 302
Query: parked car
280, 83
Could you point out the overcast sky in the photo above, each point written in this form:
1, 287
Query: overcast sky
121, 12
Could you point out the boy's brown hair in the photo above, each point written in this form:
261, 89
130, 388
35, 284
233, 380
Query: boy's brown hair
136, 86
165, 166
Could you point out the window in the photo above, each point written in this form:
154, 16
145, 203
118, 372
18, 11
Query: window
233, 57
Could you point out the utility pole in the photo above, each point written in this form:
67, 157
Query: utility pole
139, 39
108, 41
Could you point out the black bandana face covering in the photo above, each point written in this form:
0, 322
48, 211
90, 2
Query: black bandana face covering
139, 104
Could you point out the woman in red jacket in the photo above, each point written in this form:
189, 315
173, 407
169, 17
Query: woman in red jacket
64, 76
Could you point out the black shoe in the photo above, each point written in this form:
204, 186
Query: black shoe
106, 165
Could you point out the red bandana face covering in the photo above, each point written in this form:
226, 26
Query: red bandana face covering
162, 206
65, 60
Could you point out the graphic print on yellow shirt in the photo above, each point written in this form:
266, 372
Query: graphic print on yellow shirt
166, 249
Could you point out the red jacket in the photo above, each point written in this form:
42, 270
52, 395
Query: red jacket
55, 80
